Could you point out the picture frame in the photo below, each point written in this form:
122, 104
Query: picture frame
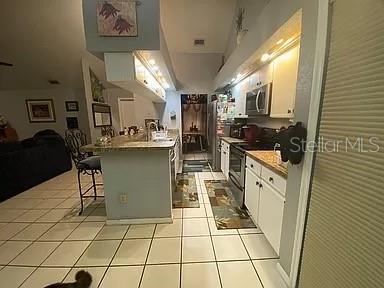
71, 106
40, 110
117, 18
101, 115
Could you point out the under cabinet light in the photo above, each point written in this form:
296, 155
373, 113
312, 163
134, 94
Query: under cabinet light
265, 57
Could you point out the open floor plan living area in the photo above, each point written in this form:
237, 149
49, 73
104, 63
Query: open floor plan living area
191, 143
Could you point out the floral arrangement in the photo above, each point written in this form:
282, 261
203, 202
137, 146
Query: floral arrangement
239, 20
239, 25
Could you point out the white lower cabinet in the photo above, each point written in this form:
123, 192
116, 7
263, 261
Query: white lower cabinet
265, 200
252, 193
225, 158
270, 217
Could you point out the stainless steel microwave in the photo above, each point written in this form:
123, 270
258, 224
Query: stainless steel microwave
259, 101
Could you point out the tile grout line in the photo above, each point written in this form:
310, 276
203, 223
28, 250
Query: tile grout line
181, 248
146, 258
214, 253
250, 258
114, 255
213, 246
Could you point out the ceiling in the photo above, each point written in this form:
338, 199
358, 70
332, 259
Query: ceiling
44, 39
184, 21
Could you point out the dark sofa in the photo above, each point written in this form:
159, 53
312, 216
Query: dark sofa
32, 161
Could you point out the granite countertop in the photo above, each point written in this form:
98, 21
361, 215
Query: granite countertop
129, 142
268, 159
231, 140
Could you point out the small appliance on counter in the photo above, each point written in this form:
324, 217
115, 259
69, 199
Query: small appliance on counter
251, 132
236, 129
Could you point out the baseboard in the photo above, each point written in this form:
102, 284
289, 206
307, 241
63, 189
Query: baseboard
139, 221
283, 274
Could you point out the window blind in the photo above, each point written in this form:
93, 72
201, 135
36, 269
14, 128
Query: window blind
344, 234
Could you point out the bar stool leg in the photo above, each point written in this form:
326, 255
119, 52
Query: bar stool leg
94, 185
81, 194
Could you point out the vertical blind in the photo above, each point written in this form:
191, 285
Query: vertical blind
344, 234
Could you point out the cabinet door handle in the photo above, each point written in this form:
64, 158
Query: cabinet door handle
257, 183
289, 111
251, 165
261, 185
271, 179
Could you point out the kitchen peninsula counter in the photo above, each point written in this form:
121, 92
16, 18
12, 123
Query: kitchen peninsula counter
131, 142
139, 177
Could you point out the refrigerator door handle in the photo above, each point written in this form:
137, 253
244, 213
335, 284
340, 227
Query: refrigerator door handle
257, 100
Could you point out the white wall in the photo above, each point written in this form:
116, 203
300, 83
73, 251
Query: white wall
253, 9
13, 107
90, 61
143, 107
173, 104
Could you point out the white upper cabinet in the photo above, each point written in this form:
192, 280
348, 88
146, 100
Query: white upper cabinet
239, 92
254, 80
266, 74
285, 69
261, 77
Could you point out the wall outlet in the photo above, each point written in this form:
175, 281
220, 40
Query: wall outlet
123, 198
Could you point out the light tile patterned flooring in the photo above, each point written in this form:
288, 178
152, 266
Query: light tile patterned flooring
43, 240
196, 156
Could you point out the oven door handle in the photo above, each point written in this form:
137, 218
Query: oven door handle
234, 181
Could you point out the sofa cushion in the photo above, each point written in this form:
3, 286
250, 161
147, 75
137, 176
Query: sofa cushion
28, 143
8, 147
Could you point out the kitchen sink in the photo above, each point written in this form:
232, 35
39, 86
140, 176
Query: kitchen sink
160, 136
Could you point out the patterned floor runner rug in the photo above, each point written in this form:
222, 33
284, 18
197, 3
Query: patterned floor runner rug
196, 166
228, 214
185, 195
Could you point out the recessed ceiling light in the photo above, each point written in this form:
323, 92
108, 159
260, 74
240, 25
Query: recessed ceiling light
265, 57
152, 62
280, 41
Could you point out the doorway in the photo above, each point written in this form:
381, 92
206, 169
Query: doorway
194, 125
127, 112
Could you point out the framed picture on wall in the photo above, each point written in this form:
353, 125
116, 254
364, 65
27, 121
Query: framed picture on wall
101, 115
116, 18
40, 110
71, 106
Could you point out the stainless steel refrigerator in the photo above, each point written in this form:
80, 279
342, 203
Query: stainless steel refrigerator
218, 125
213, 139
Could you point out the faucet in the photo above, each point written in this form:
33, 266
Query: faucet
149, 125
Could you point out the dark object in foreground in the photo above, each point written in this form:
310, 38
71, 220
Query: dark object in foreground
83, 280
292, 143
27, 163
